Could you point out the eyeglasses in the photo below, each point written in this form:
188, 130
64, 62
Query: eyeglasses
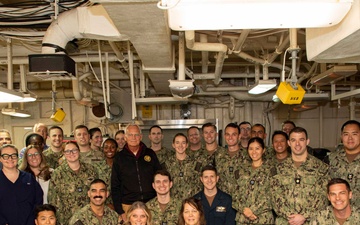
7, 156
33, 155
72, 151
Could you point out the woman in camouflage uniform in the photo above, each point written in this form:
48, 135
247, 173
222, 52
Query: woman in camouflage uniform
252, 200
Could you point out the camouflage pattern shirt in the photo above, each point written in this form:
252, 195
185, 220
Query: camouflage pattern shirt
52, 158
228, 169
169, 216
340, 167
185, 178
85, 216
327, 217
163, 154
97, 159
253, 192
68, 189
299, 190
204, 158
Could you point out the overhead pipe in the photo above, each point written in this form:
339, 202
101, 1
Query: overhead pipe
254, 60
309, 73
241, 40
10, 69
120, 56
131, 70
181, 72
279, 50
221, 49
294, 48
204, 55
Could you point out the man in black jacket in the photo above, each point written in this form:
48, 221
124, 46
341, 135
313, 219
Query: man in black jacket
132, 172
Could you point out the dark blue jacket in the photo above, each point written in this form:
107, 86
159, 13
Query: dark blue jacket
18, 200
221, 211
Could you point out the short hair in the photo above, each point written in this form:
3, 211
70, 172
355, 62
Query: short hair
37, 125
81, 126
9, 146
233, 125
279, 132
192, 127
208, 125
197, 205
56, 127
139, 205
32, 135
180, 135
244, 122
98, 181
163, 173
45, 207
92, 131
337, 181
288, 122
209, 167
5, 131
155, 126
350, 122
111, 140
299, 130
259, 125
130, 125
258, 140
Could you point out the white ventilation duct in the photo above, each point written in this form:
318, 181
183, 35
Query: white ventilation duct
81, 22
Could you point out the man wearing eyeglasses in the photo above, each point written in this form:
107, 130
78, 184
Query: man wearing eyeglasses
133, 171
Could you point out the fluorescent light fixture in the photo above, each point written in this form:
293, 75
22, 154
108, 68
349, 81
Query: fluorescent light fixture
254, 14
334, 74
262, 86
15, 112
182, 88
28, 97
8, 95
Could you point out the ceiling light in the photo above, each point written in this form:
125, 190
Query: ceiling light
8, 95
262, 86
182, 88
28, 97
334, 74
15, 112
185, 14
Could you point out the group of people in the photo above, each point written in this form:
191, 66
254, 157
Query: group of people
122, 181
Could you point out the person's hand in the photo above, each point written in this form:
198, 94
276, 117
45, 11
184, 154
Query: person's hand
249, 214
296, 219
